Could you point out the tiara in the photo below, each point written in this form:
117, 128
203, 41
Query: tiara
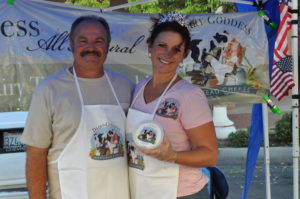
173, 16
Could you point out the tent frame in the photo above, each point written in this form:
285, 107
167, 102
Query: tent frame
295, 92
295, 99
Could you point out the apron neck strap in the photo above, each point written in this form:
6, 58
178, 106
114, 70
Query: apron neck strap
109, 82
112, 88
77, 86
160, 97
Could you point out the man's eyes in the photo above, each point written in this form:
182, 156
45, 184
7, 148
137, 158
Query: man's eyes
82, 41
99, 41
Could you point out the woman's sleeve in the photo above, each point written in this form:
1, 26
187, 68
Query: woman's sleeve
195, 109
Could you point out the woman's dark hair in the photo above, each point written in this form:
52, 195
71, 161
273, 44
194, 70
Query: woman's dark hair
89, 18
172, 26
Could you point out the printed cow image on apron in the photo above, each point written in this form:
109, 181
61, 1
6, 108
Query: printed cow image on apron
93, 164
168, 108
148, 177
135, 158
106, 142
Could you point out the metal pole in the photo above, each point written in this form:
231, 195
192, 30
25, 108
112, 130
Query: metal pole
295, 99
267, 151
239, 1
126, 5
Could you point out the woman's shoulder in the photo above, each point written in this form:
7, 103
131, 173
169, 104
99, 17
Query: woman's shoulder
188, 88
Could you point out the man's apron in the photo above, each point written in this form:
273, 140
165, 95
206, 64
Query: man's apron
149, 178
93, 164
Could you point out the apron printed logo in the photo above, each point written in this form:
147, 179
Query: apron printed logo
106, 143
135, 159
168, 108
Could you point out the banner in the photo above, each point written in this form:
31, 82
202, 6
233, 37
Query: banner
228, 56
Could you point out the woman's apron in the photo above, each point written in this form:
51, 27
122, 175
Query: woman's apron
93, 164
149, 178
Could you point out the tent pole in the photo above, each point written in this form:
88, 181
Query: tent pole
267, 150
239, 1
295, 99
126, 5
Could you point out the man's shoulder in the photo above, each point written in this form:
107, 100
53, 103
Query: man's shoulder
119, 78
61, 74
113, 74
55, 79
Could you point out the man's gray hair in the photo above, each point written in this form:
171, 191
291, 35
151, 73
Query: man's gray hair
89, 18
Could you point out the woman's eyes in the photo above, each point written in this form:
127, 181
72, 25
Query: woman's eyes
174, 49
162, 45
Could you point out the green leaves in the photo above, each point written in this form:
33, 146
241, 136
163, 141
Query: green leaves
187, 6
151, 7
90, 3
239, 138
283, 129
161, 6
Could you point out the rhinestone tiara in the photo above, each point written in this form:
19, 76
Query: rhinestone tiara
173, 16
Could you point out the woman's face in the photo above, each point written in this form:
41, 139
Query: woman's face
167, 51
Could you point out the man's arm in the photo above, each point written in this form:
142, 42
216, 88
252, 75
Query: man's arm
36, 172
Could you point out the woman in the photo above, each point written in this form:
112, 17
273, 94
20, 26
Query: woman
181, 109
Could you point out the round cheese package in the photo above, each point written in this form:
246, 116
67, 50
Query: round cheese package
148, 135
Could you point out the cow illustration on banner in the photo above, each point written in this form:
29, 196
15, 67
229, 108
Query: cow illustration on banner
222, 60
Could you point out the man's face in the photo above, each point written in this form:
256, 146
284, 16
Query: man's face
90, 46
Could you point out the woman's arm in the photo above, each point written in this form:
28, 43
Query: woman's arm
205, 147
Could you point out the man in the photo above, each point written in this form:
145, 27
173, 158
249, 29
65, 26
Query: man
72, 118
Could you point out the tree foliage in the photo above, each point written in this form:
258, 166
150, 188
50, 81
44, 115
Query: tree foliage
187, 6
283, 129
90, 3
162, 6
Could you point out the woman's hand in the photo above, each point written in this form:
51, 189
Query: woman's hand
164, 152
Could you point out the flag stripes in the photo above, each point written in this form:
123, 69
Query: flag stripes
282, 73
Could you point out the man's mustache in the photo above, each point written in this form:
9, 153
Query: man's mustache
84, 53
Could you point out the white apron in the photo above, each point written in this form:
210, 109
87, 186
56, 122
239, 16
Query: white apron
149, 178
93, 164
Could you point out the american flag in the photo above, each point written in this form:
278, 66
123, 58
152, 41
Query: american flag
282, 73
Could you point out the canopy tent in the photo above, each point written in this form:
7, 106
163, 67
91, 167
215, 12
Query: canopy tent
295, 89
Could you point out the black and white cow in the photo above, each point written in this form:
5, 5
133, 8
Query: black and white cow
208, 55
200, 50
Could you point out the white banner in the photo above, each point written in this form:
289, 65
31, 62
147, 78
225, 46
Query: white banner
228, 57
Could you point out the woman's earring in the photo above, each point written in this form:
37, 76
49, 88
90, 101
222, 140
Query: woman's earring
149, 54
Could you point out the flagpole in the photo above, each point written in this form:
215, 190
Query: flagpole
295, 99
266, 149
265, 123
